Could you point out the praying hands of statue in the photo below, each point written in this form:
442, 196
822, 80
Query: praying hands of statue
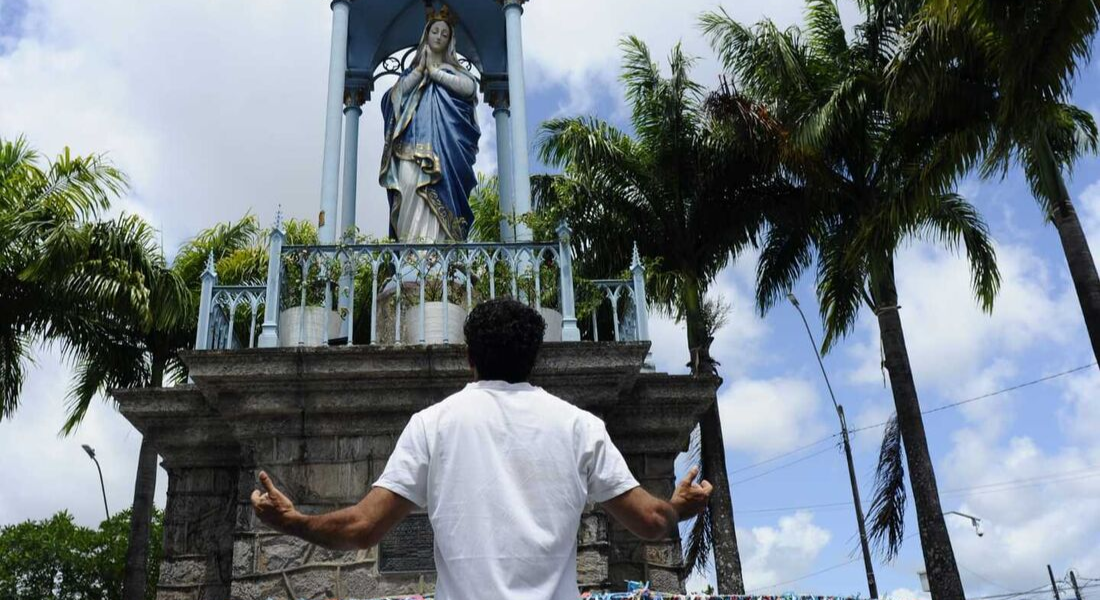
690, 498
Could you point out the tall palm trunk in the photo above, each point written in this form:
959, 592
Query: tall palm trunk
727, 558
135, 576
939, 557
1082, 267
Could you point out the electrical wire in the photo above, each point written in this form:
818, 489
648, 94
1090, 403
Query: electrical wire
986, 396
783, 466
782, 455
1000, 486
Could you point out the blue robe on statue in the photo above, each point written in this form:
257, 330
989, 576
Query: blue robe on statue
437, 130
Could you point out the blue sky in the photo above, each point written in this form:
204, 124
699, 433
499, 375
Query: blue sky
216, 109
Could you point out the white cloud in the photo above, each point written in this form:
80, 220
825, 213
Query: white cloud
773, 555
907, 594
1037, 502
948, 337
574, 43
53, 473
1088, 210
766, 417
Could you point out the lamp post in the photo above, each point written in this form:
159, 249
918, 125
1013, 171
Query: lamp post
975, 521
872, 588
91, 454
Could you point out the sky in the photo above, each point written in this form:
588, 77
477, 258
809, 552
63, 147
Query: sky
216, 109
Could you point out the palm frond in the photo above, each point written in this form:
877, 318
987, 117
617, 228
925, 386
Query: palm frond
887, 513
824, 30
698, 543
14, 354
953, 220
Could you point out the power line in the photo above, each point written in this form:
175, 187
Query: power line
926, 412
986, 488
784, 465
830, 505
985, 396
814, 574
807, 576
784, 454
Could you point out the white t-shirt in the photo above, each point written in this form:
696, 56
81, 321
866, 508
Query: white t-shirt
504, 471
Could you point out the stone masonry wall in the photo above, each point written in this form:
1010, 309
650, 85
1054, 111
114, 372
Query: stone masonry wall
323, 422
198, 525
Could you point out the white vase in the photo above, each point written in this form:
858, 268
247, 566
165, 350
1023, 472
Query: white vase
290, 326
553, 325
433, 323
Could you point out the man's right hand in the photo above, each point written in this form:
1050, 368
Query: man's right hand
690, 498
273, 507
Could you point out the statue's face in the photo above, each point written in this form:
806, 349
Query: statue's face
439, 37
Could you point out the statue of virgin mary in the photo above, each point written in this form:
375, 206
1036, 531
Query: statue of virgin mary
431, 141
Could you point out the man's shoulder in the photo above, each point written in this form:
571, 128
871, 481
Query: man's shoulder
543, 401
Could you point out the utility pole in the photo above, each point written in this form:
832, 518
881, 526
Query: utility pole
872, 587
1073, 580
1053, 584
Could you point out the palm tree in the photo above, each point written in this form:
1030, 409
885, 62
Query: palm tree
691, 191
144, 317
870, 186
1003, 71
143, 313
35, 199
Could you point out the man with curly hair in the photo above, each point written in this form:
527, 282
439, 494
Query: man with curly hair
504, 470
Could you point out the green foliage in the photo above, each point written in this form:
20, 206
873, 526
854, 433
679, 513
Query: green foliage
57, 559
690, 189
872, 176
37, 198
999, 77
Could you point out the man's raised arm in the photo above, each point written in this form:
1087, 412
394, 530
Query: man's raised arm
651, 518
351, 528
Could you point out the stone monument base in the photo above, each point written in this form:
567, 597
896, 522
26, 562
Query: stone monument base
323, 421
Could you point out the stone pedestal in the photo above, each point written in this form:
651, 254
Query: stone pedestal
323, 421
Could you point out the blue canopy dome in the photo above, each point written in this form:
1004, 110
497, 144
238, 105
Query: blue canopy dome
379, 29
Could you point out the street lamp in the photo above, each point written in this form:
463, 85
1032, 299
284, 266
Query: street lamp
91, 455
871, 586
975, 521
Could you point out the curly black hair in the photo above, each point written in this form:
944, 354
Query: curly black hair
503, 338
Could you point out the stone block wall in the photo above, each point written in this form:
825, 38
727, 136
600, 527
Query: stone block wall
323, 422
198, 525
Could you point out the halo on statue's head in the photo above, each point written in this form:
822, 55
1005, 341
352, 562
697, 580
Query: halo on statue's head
443, 15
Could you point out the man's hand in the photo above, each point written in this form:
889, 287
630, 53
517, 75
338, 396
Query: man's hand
690, 498
274, 508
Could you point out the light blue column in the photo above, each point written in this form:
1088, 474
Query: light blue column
209, 280
569, 330
505, 175
641, 307
517, 97
352, 112
330, 169
269, 336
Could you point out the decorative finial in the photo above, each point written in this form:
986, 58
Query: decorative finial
563, 229
443, 14
636, 260
210, 270
279, 218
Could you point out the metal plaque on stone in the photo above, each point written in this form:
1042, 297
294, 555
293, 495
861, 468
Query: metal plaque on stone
408, 547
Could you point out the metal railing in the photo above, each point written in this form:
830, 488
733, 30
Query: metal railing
403, 293
220, 306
